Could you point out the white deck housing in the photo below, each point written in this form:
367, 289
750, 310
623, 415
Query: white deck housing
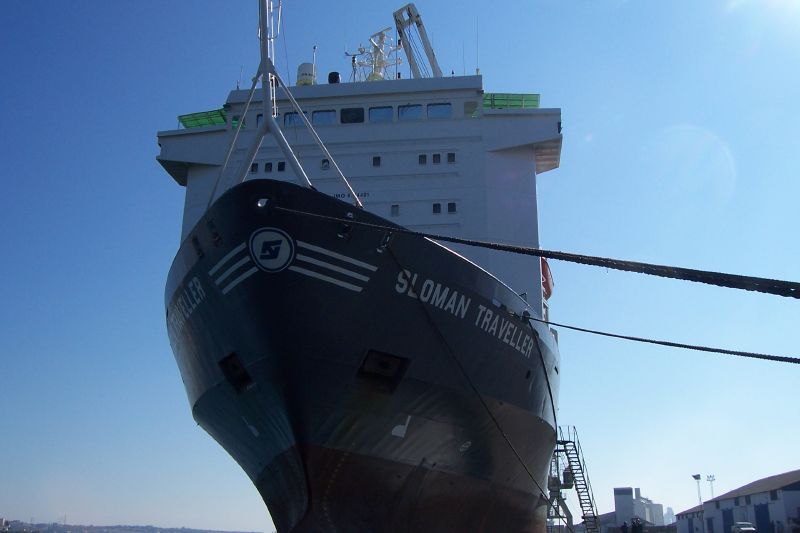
465, 169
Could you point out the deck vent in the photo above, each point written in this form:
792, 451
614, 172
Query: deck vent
383, 370
235, 372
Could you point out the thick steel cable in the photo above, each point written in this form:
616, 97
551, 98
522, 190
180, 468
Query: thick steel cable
753, 355
789, 289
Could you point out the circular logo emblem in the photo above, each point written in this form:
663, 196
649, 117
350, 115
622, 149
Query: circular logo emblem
272, 249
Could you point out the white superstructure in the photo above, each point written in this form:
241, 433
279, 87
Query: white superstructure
433, 154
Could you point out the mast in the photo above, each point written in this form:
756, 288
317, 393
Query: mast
269, 82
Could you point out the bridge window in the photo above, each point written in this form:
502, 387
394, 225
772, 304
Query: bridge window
451, 207
281, 166
381, 114
451, 157
253, 168
376, 161
437, 158
439, 111
409, 112
268, 166
292, 119
423, 159
395, 210
437, 208
326, 116
352, 115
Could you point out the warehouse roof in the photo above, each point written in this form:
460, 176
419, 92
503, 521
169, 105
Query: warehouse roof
787, 480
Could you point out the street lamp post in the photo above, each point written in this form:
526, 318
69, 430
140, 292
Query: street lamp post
697, 477
711, 479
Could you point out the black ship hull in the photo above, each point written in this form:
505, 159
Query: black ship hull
366, 381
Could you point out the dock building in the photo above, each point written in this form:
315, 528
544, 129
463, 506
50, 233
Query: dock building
771, 504
629, 504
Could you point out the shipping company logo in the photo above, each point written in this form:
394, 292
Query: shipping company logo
272, 249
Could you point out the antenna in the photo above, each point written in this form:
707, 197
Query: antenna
375, 60
477, 35
314, 64
239, 81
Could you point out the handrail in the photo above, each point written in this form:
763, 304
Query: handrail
511, 100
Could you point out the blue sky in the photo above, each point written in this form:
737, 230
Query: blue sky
680, 147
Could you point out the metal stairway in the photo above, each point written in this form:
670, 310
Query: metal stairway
568, 453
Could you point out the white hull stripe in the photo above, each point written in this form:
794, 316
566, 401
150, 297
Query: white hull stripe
230, 270
323, 277
226, 258
340, 257
239, 279
236, 265
334, 268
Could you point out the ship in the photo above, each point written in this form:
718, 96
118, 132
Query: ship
366, 376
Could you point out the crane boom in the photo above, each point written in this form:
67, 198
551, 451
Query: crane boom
403, 19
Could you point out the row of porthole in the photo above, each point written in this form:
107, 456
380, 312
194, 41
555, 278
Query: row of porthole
423, 160
376, 162
281, 166
436, 208
437, 158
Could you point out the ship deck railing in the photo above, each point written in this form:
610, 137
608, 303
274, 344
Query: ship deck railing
511, 101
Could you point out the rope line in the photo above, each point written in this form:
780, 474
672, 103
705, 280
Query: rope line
753, 355
789, 289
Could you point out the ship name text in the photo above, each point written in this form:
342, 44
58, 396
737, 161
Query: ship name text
494, 324
432, 293
447, 299
185, 304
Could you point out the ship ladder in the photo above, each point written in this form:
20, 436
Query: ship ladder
575, 475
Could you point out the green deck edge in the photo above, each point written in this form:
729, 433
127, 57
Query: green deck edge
510, 101
203, 118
